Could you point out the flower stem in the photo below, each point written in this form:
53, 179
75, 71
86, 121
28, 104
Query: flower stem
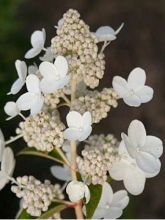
22, 116
78, 206
12, 139
63, 156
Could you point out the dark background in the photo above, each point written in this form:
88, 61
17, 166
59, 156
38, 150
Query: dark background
140, 43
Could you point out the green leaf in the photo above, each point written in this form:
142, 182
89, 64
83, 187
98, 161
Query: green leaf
53, 208
53, 155
24, 215
96, 191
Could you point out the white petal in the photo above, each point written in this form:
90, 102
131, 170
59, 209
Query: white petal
132, 100
137, 133
85, 134
8, 161
131, 147
113, 213
26, 101
63, 81
77, 190
38, 39
136, 78
11, 109
74, 119
62, 173
2, 144
33, 84
118, 170
120, 199
32, 53
87, 194
37, 105
105, 33
21, 69
147, 162
48, 70
48, 56
150, 175
145, 94
49, 86
153, 145
87, 119
72, 134
17, 86
119, 29
33, 69
120, 86
3, 180
99, 213
134, 181
62, 65
106, 196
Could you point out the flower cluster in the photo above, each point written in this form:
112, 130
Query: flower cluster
98, 103
75, 41
36, 196
43, 131
98, 156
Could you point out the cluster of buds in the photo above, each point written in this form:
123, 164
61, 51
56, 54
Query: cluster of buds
43, 131
98, 103
97, 157
75, 41
53, 99
36, 196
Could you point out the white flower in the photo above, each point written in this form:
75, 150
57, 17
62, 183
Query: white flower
111, 204
31, 100
48, 56
7, 166
22, 73
54, 75
106, 33
133, 91
11, 109
77, 190
79, 126
37, 41
126, 169
2, 144
145, 149
61, 172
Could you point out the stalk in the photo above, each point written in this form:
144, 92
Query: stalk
78, 206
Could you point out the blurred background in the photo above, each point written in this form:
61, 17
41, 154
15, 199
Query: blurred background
140, 43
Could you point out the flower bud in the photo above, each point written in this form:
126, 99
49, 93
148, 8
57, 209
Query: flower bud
77, 190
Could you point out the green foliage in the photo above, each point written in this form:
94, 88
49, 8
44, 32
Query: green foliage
95, 191
53, 155
11, 41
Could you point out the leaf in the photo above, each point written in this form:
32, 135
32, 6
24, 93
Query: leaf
24, 215
96, 191
53, 208
53, 155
